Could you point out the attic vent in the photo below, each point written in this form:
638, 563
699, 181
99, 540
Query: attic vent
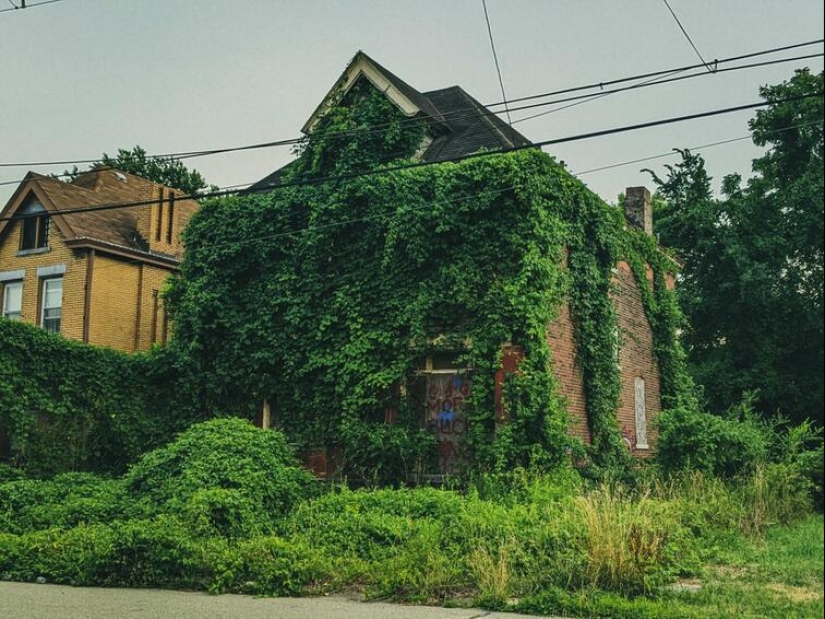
121, 177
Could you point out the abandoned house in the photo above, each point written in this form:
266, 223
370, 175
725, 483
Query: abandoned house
457, 126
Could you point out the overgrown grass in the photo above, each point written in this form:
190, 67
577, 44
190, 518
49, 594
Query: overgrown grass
534, 543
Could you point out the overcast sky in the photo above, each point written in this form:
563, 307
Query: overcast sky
80, 77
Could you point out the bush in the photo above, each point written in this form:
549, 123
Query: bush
65, 501
133, 553
224, 474
725, 447
10, 473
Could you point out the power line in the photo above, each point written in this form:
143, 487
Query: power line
346, 134
23, 5
495, 58
580, 98
391, 215
397, 168
657, 82
687, 36
672, 153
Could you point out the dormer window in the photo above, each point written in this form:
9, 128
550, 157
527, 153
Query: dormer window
35, 227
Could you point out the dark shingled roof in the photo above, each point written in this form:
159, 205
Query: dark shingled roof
472, 127
464, 126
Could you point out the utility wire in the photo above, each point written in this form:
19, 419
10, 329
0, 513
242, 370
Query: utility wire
673, 153
495, 58
687, 36
394, 214
346, 134
655, 82
28, 6
422, 164
580, 98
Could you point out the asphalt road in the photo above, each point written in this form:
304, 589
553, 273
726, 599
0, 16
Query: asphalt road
30, 601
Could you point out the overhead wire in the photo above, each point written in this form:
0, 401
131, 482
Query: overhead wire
674, 152
495, 59
455, 116
580, 98
396, 213
25, 6
687, 36
421, 164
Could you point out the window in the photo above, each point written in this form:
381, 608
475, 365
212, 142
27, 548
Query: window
12, 300
439, 393
641, 414
35, 227
52, 304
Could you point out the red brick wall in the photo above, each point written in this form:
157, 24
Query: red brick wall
636, 360
568, 371
636, 356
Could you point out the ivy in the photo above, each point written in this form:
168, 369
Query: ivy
67, 406
323, 298
364, 276
664, 316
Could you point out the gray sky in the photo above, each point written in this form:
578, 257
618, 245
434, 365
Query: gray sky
80, 77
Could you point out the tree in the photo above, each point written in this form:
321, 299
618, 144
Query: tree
164, 170
752, 284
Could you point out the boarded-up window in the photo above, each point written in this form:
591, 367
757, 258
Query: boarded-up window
641, 414
440, 391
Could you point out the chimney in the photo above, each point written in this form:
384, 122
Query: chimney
638, 209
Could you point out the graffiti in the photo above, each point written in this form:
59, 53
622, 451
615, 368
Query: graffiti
444, 399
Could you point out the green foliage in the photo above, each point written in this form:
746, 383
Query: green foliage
366, 276
594, 603
227, 476
67, 500
358, 304
752, 283
552, 544
166, 171
691, 439
68, 406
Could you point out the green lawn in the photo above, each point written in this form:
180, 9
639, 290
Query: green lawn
780, 575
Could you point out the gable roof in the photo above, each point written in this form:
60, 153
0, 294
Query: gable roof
116, 228
463, 126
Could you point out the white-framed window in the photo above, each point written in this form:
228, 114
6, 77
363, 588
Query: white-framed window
13, 300
52, 304
641, 413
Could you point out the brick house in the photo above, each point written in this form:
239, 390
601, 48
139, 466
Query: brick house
459, 125
93, 276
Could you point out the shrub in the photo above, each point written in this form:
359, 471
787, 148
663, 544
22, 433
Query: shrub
228, 455
268, 566
690, 439
10, 473
62, 502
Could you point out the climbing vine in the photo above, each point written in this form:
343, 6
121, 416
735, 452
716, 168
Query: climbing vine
664, 316
323, 298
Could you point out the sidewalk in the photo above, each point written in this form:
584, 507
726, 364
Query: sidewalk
29, 601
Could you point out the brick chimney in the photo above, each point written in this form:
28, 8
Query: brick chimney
638, 209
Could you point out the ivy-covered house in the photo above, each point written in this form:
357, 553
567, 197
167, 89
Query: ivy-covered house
403, 307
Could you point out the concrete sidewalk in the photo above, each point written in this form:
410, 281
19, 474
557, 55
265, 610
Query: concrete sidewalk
29, 601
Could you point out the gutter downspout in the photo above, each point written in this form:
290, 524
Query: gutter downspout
87, 296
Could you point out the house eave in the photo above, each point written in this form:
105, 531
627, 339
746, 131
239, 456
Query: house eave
160, 260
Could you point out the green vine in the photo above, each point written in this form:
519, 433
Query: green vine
662, 310
323, 299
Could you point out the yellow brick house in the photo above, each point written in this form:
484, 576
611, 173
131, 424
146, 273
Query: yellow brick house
72, 265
